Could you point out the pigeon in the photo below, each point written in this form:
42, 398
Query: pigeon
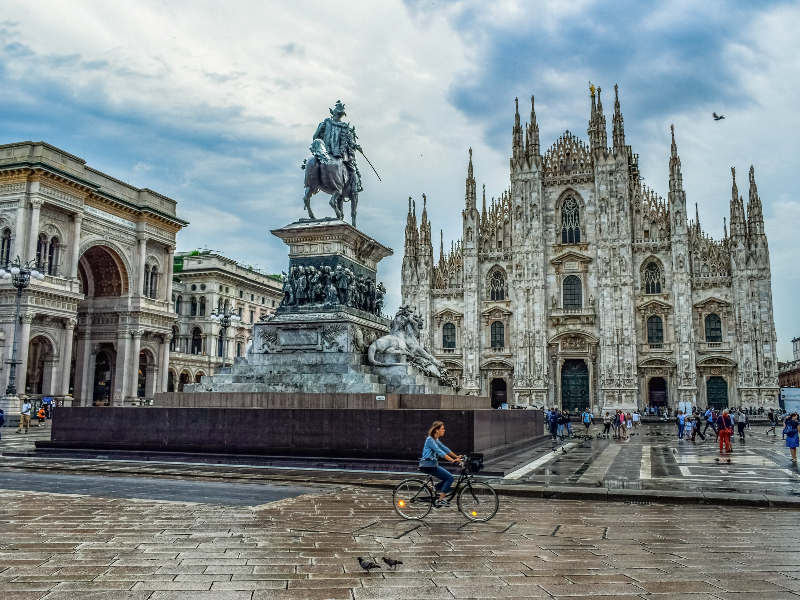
563, 450
391, 562
368, 564
718, 117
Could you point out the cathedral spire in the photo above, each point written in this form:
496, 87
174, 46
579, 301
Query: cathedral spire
755, 217
470, 197
517, 149
619, 127
441, 246
483, 213
738, 227
411, 230
425, 228
532, 146
598, 136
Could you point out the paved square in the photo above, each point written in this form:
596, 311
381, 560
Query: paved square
78, 546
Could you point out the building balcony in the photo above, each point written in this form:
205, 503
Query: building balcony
713, 347
572, 316
662, 348
449, 352
497, 351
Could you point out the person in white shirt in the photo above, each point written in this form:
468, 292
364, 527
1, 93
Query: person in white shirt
25, 417
636, 420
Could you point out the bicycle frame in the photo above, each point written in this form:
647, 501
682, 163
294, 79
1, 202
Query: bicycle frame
463, 477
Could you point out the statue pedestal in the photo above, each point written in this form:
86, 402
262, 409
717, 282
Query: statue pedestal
332, 243
12, 407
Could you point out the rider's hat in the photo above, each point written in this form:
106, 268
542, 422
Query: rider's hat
338, 109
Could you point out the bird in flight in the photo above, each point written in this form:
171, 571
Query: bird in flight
718, 117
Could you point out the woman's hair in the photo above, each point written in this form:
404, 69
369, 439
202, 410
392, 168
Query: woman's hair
434, 427
725, 411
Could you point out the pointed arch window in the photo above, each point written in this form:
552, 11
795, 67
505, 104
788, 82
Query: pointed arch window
498, 334
449, 336
573, 299
713, 328
570, 222
655, 330
497, 286
652, 278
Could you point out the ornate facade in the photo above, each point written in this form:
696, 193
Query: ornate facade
98, 327
205, 281
579, 286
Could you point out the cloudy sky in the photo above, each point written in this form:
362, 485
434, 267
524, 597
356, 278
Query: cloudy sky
214, 103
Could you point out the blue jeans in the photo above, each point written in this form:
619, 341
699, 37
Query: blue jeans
680, 430
446, 479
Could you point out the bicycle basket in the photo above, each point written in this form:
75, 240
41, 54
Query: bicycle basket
475, 462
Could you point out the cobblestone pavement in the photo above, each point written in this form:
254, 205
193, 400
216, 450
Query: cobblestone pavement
654, 458
70, 546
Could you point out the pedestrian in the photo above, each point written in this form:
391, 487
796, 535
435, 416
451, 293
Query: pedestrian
553, 419
709, 416
698, 422
623, 425
41, 415
792, 436
25, 417
725, 431
629, 423
588, 418
771, 419
2, 422
680, 421
741, 421
567, 423
560, 417
636, 419
606, 425
689, 428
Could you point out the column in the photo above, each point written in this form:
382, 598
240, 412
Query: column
76, 245
136, 346
50, 381
23, 343
82, 391
121, 369
19, 232
66, 358
168, 275
33, 231
140, 262
164, 362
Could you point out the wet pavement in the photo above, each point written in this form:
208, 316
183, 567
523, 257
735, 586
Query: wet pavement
62, 547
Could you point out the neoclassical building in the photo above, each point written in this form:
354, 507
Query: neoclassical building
579, 286
98, 327
205, 280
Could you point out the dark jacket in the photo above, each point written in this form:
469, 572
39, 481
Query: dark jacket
724, 422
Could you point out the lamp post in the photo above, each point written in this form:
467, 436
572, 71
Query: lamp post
225, 318
20, 274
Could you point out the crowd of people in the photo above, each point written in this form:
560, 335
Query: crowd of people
559, 423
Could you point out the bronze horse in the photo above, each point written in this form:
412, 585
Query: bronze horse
328, 174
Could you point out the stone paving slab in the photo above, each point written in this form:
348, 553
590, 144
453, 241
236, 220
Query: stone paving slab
93, 547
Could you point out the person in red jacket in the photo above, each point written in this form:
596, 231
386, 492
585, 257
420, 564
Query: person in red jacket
725, 429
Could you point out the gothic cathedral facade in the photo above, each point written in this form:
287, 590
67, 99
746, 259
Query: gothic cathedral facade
581, 287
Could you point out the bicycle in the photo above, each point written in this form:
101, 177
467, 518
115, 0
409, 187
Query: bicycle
413, 499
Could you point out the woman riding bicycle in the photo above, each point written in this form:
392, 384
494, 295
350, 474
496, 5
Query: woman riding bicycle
429, 464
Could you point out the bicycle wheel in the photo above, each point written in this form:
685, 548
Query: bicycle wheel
413, 499
478, 501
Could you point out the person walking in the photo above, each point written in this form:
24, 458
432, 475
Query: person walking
553, 419
792, 437
688, 423
2, 422
725, 431
680, 421
606, 425
771, 419
623, 425
25, 417
636, 420
560, 418
698, 422
567, 423
41, 414
709, 416
741, 421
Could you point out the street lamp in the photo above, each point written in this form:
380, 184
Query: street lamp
225, 318
20, 274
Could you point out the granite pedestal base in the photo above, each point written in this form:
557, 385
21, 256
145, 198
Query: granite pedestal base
339, 433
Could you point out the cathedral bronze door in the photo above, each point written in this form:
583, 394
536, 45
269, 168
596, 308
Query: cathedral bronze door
717, 393
574, 385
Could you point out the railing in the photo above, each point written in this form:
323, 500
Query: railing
656, 346
714, 344
497, 349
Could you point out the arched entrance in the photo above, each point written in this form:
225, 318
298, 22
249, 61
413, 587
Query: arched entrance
499, 392
39, 374
657, 392
574, 385
184, 379
141, 387
717, 392
197, 376
171, 381
102, 380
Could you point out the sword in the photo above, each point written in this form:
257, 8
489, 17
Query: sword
370, 164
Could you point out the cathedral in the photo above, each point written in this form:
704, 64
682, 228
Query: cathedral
579, 286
